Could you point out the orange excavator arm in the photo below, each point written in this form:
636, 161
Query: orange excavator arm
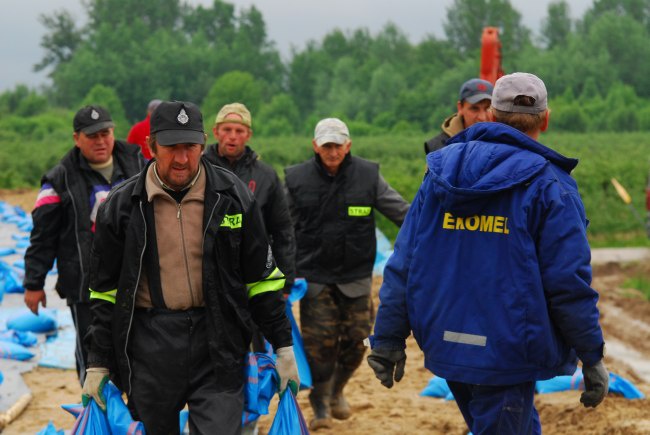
490, 55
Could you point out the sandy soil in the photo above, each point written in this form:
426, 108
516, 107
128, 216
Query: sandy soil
625, 319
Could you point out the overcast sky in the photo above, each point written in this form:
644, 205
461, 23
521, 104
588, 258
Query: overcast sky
290, 23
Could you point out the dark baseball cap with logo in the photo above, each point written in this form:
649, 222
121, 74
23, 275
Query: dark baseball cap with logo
175, 122
475, 90
91, 119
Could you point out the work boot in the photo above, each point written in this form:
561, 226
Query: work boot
319, 398
339, 406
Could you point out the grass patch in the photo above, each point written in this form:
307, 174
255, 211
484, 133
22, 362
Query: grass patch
640, 283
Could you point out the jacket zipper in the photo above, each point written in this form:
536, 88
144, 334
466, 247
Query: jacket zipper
76, 234
205, 230
135, 290
187, 265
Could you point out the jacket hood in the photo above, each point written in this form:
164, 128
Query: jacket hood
486, 159
453, 125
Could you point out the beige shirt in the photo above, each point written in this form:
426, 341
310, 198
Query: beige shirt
179, 234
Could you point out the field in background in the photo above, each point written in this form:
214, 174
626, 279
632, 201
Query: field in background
625, 156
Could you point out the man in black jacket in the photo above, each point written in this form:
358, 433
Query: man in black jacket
180, 267
232, 130
473, 104
332, 198
65, 211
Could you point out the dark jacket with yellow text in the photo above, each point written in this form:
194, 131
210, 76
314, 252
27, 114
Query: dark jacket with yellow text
263, 182
513, 302
334, 218
240, 278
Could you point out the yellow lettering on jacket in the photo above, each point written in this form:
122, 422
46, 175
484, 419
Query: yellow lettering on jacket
360, 211
486, 223
481, 223
448, 222
232, 221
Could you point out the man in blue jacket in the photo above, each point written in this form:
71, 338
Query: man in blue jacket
513, 303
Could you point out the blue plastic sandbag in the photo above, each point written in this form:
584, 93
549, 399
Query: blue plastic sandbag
45, 321
620, 385
297, 292
73, 408
289, 419
9, 280
50, 429
24, 338
261, 386
116, 419
561, 383
617, 385
9, 350
437, 387
183, 416
91, 421
7, 251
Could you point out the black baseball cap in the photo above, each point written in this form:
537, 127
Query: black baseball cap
175, 122
91, 119
475, 90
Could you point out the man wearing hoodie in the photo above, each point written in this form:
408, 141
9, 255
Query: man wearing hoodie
473, 104
513, 303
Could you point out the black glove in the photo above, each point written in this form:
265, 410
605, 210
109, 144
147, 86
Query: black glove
596, 384
386, 362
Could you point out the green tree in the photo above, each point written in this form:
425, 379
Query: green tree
557, 25
638, 10
146, 50
625, 40
234, 86
106, 97
467, 18
152, 15
279, 117
60, 41
386, 85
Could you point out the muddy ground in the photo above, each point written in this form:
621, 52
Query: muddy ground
625, 316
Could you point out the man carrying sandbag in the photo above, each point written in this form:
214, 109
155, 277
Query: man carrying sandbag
180, 266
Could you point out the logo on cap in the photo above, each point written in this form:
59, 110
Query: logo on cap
182, 117
94, 114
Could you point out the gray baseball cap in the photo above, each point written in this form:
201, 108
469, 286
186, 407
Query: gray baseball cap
331, 130
511, 86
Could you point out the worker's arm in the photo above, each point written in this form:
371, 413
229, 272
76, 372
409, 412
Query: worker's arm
390, 203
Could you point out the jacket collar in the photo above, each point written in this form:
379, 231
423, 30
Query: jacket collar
217, 180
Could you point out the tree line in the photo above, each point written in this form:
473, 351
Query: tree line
597, 68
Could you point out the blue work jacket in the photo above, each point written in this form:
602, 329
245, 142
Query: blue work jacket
491, 270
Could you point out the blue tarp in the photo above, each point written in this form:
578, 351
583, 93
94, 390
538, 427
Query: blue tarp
438, 387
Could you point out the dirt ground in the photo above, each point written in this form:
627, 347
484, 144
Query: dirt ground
625, 317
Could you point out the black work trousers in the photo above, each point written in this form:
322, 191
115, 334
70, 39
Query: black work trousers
81, 318
171, 367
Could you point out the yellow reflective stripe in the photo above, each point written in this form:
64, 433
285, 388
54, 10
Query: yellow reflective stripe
107, 296
273, 282
355, 210
232, 221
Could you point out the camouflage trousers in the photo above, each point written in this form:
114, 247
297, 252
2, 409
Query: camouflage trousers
333, 329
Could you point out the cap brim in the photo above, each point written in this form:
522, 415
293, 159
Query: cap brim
173, 137
331, 138
97, 127
478, 97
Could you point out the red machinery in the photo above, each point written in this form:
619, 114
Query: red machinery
490, 55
